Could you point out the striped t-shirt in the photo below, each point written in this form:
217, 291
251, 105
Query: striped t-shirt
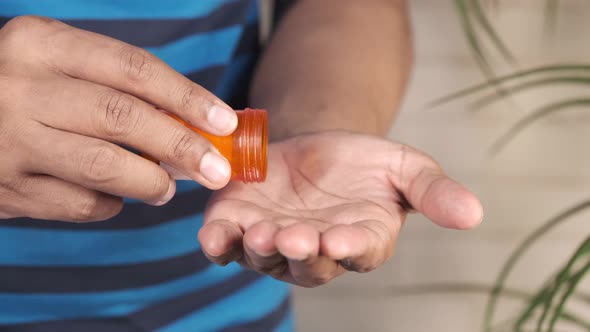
142, 270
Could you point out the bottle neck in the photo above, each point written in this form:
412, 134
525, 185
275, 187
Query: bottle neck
250, 141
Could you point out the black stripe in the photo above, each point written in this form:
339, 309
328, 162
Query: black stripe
72, 279
157, 32
267, 323
248, 45
122, 324
249, 41
149, 319
134, 215
164, 313
208, 78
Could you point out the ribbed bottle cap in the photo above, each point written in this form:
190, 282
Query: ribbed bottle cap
250, 145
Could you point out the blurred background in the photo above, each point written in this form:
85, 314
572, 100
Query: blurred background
439, 279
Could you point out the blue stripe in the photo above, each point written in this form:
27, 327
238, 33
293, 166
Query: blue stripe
16, 309
110, 9
157, 32
254, 301
252, 14
200, 51
46, 247
287, 325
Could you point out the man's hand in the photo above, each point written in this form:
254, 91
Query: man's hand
333, 202
69, 98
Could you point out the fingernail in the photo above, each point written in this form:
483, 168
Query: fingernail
214, 167
169, 194
222, 119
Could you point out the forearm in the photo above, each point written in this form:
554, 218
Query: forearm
335, 64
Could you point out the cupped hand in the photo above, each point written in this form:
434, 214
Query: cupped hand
332, 202
69, 99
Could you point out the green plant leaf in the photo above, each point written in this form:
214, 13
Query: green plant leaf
516, 255
479, 288
534, 116
573, 283
546, 295
575, 277
491, 32
550, 69
464, 8
561, 80
551, 9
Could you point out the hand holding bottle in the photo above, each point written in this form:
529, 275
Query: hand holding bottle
69, 99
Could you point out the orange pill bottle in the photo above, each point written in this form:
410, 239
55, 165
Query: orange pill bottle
245, 148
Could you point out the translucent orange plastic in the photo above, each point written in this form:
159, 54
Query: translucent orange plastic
246, 148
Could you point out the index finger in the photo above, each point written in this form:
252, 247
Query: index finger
107, 61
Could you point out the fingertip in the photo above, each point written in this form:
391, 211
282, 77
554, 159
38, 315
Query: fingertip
472, 214
215, 169
260, 238
298, 241
222, 119
454, 206
168, 195
217, 238
343, 241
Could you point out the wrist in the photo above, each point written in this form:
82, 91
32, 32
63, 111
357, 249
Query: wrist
286, 121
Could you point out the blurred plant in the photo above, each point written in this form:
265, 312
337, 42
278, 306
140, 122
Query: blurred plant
474, 21
545, 308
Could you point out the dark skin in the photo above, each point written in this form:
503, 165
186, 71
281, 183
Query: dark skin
69, 98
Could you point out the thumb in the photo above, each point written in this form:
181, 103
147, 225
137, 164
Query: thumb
427, 189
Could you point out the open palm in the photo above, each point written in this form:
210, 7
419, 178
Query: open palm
332, 202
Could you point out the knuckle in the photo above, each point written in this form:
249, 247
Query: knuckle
160, 185
180, 144
23, 36
190, 97
19, 31
88, 208
136, 64
28, 23
97, 164
120, 114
